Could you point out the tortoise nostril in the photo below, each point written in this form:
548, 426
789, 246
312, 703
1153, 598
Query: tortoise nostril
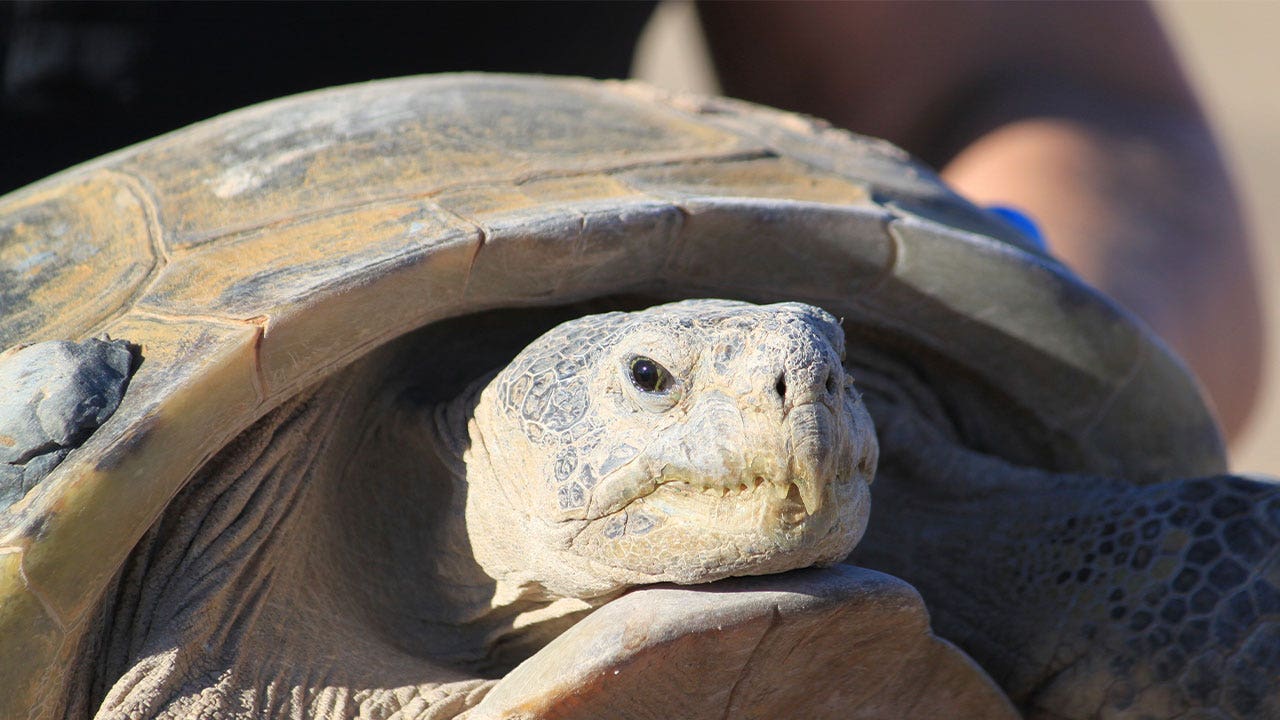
780, 387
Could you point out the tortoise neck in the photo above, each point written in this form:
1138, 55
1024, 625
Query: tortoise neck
508, 616
997, 550
450, 428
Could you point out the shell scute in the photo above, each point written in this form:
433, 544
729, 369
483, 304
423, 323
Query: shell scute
256, 272
331, 149
195, 386
767, 177
603, 229
33, 645
72, 256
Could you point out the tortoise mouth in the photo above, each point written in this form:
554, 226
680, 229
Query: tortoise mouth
788, 495
793, 498
759, 513
688, 530
789, 468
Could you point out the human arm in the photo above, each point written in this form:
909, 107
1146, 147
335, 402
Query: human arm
1075, 113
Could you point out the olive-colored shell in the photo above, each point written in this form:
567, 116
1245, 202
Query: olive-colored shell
252, 254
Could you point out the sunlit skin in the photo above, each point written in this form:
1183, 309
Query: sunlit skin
686, 443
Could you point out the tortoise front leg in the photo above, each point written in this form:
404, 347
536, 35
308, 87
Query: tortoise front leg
1086, 597
1176, 601
837, 642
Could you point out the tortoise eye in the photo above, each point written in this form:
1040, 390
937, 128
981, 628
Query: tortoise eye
649, 376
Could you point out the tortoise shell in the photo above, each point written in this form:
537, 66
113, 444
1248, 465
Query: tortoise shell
253, 254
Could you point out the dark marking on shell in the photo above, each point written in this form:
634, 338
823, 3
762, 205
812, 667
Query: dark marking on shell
131, 443
39, 527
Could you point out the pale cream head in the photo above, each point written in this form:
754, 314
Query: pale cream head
684, 443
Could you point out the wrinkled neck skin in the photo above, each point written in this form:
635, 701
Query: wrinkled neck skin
1082, 597
982, 540
314, 568
520, 614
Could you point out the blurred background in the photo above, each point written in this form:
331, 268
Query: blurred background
1228, 49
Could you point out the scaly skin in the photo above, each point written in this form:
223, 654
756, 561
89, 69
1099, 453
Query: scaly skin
1086, 597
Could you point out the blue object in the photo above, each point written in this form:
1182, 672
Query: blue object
1022, 222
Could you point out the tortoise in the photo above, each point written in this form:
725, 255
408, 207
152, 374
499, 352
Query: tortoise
497, 396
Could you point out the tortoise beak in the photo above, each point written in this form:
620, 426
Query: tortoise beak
726, 451
813, 437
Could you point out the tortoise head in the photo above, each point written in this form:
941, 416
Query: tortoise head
685, 443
